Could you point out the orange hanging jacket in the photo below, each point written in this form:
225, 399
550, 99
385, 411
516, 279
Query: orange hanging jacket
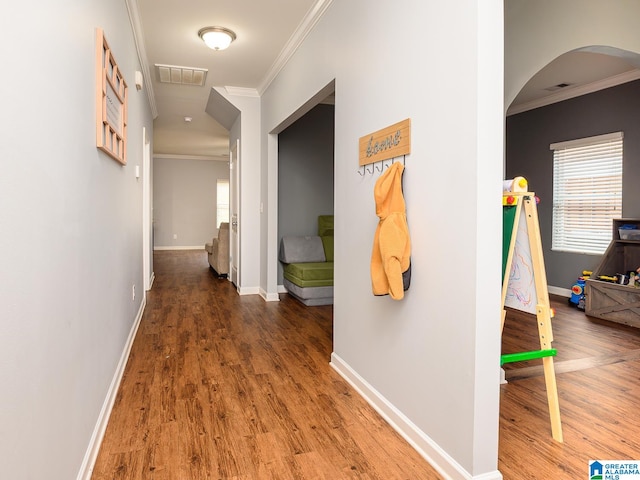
391, 256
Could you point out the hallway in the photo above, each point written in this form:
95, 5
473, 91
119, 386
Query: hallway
222, 386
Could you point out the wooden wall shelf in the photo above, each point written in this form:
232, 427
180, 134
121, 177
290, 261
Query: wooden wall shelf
111, 102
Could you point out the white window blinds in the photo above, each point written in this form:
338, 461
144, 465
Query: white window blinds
587, 192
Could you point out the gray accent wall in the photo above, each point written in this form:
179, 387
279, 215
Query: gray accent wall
184, 201
305, 174
528, 136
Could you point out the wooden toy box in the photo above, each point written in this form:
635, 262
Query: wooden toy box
611, 301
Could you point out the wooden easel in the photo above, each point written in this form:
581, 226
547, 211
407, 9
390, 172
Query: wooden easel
522, 254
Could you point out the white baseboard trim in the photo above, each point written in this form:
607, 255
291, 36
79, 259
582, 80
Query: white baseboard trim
183, 247
422, 443
90, 456
282, 289
563, 292
153, 277
248, 291
269, 297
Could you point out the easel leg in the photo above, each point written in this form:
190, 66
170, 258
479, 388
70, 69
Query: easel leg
552, 398
545, 334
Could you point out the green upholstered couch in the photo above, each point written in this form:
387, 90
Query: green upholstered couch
308, 264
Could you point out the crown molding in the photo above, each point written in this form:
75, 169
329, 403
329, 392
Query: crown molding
242, 92
306, 25
138, 38
572, 92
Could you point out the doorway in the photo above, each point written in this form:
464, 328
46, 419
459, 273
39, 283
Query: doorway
587, 102
305, 174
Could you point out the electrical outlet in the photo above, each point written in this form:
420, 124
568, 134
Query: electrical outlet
175, 236
133, 292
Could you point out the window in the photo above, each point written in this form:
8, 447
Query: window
222, 202
587, 192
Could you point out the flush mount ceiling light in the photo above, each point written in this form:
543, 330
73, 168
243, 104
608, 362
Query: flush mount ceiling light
217, 38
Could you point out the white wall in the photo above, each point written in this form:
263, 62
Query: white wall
71, 243
431, 361
185, 201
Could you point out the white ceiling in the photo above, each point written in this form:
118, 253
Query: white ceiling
579, 72
264, 29
267, 32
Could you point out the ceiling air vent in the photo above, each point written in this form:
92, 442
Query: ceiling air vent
559, 86
181, 75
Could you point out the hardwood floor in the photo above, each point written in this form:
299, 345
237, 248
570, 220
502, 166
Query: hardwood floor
598, 375
220, 386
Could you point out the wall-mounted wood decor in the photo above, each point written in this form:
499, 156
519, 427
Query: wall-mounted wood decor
390, 142
111, 102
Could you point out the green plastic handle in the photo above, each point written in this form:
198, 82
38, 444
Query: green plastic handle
523, 356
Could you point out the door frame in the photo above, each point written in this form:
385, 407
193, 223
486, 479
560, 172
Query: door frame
234, 210
147, 208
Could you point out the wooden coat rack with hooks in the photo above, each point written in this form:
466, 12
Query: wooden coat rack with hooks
380, 149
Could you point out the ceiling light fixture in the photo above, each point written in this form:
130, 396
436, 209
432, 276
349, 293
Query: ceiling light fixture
217, 38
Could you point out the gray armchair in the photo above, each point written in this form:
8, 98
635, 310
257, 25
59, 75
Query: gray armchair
218, 251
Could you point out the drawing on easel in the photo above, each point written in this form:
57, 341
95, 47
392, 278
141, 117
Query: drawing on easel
521, 288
